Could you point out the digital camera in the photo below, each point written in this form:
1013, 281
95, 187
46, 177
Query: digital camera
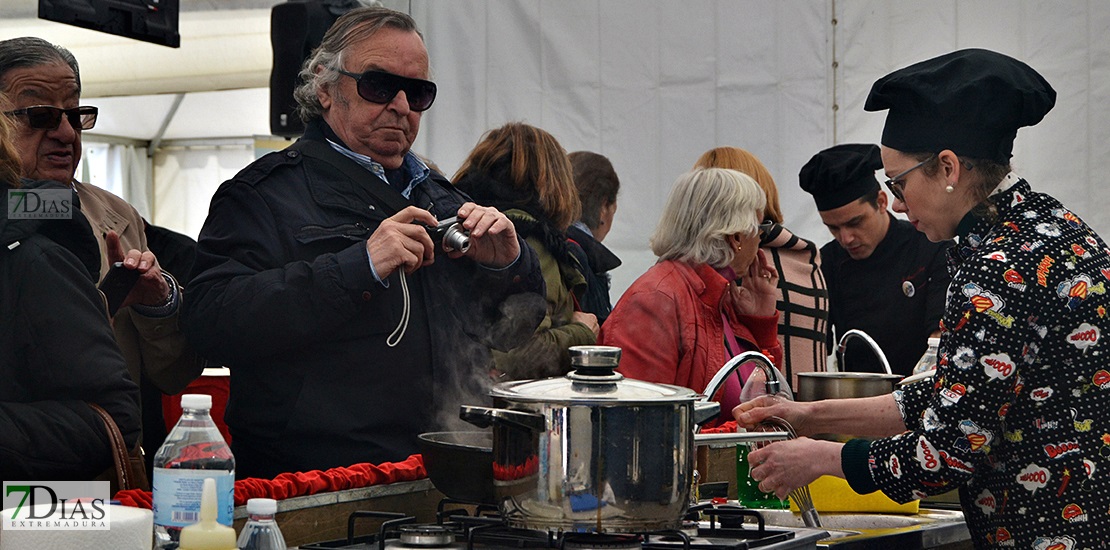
451, 234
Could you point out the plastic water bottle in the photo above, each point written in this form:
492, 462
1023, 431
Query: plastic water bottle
261, 532
194, 450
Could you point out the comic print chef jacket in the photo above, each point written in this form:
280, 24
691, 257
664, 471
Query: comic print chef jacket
1018, 413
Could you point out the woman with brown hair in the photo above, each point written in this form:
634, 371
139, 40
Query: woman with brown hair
523, 171
802, 299
57, 351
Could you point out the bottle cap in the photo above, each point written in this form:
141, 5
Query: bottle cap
196, 401
262, 506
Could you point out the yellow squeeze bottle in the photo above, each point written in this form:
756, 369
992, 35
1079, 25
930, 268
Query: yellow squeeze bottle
208, 534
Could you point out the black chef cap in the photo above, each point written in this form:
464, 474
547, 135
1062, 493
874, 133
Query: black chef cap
841, 174
970, 101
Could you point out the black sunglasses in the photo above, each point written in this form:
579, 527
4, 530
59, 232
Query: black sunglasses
381, 87
45, 117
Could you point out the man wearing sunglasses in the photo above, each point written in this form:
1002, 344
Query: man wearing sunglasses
348, 330
884, 277
40, 89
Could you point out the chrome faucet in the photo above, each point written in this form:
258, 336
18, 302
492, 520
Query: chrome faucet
772, 385
843, 346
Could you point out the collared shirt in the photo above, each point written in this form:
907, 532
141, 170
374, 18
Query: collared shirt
582, 226
412, 167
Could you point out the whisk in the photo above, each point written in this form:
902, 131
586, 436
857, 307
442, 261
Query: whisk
800, 495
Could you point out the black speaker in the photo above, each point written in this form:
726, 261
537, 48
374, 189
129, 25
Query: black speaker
296, 28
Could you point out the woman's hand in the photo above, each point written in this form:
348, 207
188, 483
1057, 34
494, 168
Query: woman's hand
783, 466
588, 319
750, 414
759, 291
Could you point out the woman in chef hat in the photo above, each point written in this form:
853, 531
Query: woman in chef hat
1016, 416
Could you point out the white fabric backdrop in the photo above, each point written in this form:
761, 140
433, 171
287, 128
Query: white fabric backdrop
653, 84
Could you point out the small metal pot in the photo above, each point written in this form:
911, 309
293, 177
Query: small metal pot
593, 451
815, 386
459, 464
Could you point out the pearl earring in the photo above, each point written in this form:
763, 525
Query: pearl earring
949, 189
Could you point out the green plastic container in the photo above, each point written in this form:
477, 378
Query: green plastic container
747, 489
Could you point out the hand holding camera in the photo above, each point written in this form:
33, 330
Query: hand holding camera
408, 239
450, 235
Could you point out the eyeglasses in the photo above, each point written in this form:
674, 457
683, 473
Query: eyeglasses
381, 87
45, 117
764, 229
897, 183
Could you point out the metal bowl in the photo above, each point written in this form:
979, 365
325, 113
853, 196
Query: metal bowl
815, 386
460, 464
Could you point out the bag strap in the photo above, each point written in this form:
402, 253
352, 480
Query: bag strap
119, 447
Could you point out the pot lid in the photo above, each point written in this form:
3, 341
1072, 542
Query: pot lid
593, 380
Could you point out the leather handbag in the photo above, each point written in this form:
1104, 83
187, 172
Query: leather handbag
128, 466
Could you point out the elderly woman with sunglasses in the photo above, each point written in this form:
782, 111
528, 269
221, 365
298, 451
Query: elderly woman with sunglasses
683, 319
1016, 416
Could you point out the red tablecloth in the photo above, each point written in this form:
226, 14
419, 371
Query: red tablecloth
306, 483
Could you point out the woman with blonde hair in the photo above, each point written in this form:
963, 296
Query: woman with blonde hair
523, 171
802, 298
687, 316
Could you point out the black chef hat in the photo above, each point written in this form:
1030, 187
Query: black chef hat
970, 101
841, 174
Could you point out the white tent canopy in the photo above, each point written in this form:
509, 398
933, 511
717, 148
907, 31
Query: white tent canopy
650, 84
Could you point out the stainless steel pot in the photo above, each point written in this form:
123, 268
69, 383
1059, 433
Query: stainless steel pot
815, 386
593, 451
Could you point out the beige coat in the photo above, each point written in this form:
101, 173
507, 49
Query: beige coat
152, 346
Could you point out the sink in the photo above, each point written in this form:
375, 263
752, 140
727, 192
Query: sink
850, 522
927, 528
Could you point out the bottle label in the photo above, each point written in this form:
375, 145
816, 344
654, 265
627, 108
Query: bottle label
177, 495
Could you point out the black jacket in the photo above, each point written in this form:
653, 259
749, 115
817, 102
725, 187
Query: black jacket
282, 293
598, 262
57, 352
896, 296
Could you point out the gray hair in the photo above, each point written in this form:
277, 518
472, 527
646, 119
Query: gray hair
352, 27
704, 208
29, 51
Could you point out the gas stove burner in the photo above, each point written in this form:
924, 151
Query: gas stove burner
426, 536
592, 541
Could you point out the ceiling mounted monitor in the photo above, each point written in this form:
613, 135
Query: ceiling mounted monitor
152, 21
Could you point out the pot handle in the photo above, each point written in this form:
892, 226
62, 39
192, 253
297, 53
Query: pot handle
484, 417
704, 411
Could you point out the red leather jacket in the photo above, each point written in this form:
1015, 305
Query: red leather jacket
669, 326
